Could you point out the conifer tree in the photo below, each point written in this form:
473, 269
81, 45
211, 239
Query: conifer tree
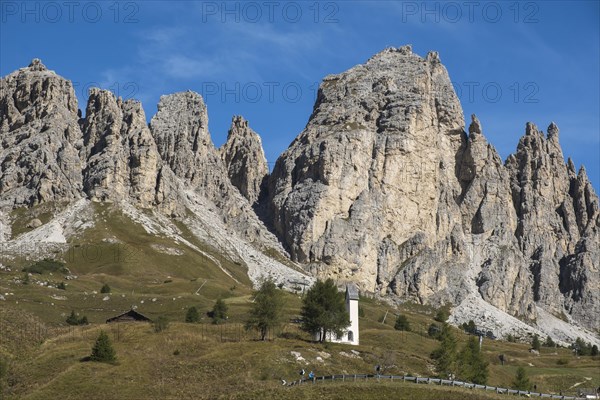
521, 381
103, 350
445, 355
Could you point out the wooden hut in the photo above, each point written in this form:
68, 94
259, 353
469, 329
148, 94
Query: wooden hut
129, 316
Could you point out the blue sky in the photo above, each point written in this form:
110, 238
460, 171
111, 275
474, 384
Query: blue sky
511, 62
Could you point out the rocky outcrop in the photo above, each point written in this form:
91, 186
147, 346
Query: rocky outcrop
39, 138
180, 130
374, 166
122, 158
384, 188
245, 159
547, 230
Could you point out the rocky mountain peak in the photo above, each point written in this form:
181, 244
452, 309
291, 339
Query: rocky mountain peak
552, 131
571, 167
180, 129
379, 134
244, 159
40, 138
475, 126
36, 65
122, 158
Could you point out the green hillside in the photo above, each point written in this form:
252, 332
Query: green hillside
44, 355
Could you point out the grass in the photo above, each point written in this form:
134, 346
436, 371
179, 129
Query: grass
207, 361
206, 367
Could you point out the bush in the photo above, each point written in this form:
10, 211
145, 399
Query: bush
219, 311
535, 342
105, 288
549, 342
562, 361
192, 315
510, 338
433, 331
442, 315
402, 323
73, 320
521, 381
46, 265
61, 286
445, 356
472, 365
103, 350
594, 351
469, 327
582, 348
161, 323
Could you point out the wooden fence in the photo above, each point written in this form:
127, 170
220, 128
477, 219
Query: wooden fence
441, 382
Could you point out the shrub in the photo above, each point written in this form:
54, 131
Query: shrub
61, 286
582, 348
192, 315
510, 338
105, 288
433, 331
73, 320
161, 323
219, 311
445, 355
402, 323
469, 327
594, 351
442, 315
472, 366
46, 265
562, 361
549, 342
103, 350
521, 381
535, 342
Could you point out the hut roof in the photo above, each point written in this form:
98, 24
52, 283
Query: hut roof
130, 315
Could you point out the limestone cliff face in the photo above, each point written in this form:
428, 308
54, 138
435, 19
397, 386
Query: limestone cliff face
558, 225
122, 158
384, 188
180, 130
39, 138
245, 159
374, 167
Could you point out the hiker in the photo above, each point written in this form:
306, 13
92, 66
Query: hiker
311, 375
377, 368
302, 372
